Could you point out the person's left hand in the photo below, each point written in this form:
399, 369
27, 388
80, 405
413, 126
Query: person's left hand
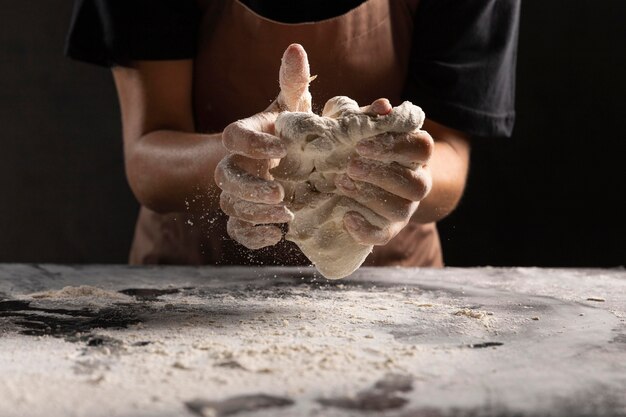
390, 176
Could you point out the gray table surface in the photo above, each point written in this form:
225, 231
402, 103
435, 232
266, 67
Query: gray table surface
169, 341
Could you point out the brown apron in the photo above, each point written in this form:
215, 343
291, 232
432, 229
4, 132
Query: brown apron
362, 54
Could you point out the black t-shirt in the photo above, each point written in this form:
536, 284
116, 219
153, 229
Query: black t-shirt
462, 66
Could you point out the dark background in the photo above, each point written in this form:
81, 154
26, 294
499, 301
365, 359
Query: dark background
553, 195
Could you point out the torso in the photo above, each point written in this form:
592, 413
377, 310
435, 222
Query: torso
362, 54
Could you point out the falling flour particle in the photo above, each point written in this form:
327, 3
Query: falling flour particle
318, 150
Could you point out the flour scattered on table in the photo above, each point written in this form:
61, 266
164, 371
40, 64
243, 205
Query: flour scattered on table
82, 291
468, 312
483, 317
226, 340
82, 296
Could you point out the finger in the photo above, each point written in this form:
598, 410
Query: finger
234, 180
339, 106
390, 206
252, 137
251, 236
411, 184
408, 149
294, 78
257, 167
365, 233
378, 107
255, 213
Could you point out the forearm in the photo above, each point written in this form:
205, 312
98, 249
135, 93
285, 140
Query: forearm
448, 166
172, 171
169, 167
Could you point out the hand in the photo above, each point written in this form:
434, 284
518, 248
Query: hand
390, 176
250, 196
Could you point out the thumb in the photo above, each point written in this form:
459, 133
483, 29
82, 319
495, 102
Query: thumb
294, 78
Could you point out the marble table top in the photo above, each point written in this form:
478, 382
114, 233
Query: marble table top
217, 341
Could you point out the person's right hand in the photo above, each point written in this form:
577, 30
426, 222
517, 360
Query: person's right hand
250, 197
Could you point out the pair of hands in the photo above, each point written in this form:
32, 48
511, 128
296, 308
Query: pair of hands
388, 174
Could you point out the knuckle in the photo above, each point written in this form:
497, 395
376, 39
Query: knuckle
229, 135
345, 185
420, 185
401, 212
225, 203
257, 142
426, 145
384, 236
224, 172
234, 227
257, 237
362, 169
219, 176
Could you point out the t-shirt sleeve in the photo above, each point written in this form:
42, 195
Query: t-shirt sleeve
462, 68
116, 32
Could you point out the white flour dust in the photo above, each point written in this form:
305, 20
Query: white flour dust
215, 334
82, 292
82, 295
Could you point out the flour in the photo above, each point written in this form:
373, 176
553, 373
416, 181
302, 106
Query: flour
483, 317
475, 314
238, 331
82, 291
83, 295
318, 150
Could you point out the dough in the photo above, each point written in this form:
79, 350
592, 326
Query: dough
318, 149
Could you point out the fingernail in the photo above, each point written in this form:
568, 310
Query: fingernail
357, 168
346, 183
352, 221
277, 151
365, 148
381, 107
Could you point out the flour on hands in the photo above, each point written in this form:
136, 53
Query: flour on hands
318, 151
285, 163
